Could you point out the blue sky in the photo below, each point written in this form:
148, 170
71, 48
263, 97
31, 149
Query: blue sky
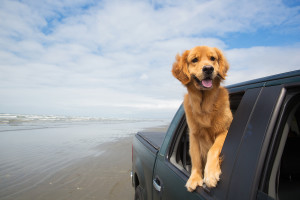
113, 58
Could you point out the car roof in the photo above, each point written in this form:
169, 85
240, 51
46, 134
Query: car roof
278, 79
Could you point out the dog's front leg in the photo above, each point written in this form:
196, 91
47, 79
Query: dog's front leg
196, 178
212, 170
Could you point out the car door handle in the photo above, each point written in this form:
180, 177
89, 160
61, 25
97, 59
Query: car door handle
157, 184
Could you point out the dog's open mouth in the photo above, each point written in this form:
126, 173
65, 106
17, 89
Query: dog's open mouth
206, 83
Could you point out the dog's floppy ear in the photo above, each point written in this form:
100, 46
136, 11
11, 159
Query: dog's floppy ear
224, 66
180, 68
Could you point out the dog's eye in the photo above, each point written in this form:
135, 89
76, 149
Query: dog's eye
195, 60
212, 58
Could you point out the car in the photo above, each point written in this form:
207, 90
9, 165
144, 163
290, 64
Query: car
261, 153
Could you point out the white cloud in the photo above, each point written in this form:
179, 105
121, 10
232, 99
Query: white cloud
89, 57
256, 62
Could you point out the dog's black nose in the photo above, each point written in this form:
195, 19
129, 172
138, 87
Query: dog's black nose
208, 69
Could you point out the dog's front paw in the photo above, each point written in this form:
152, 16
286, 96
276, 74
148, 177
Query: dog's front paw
212, 175
194, 181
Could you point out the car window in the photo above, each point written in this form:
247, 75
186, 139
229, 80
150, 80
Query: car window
284, 182
179, 152
180, 157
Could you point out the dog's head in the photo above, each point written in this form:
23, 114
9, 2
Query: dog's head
201, 66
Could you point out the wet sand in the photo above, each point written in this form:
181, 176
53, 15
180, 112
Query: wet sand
106, 176
102, 176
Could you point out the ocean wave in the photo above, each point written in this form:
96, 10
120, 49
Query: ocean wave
23, 119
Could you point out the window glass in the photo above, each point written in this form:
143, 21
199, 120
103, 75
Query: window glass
289, 174
284, 181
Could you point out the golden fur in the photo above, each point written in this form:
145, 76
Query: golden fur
207, 111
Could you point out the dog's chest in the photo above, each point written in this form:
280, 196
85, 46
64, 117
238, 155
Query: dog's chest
203, 115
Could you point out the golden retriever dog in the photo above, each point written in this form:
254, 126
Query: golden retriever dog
207, 110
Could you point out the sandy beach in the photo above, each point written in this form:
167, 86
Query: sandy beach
103, 172
106, 176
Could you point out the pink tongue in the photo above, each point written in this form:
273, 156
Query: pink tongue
207, 83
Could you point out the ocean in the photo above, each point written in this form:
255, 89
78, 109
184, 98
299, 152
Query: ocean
34, 146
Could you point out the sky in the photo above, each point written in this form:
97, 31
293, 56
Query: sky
113, 58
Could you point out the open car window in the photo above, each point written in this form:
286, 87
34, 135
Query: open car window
179, 153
